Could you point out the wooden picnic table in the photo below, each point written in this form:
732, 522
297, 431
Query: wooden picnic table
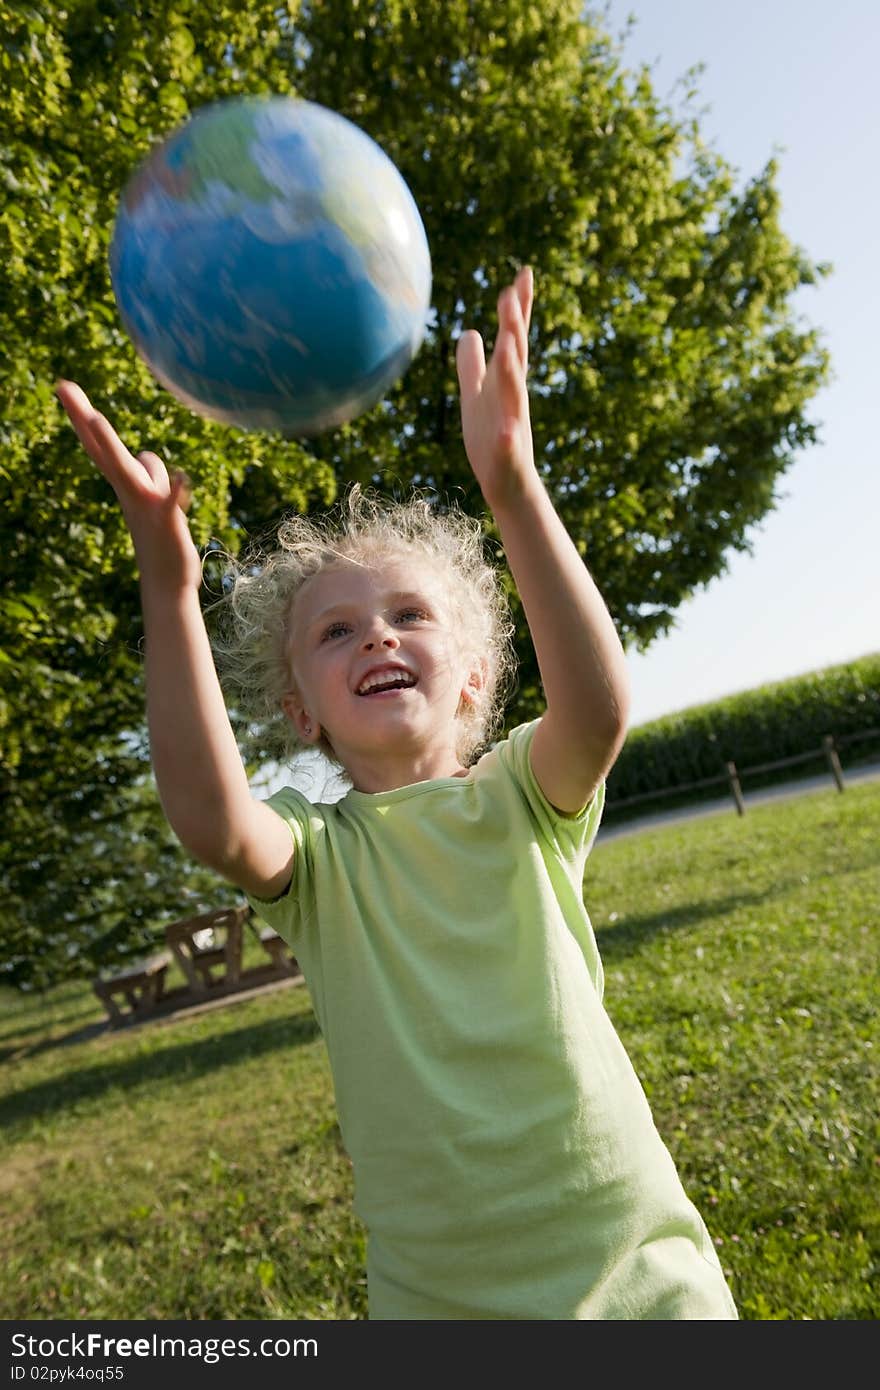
209, 949
216, 958
217, 961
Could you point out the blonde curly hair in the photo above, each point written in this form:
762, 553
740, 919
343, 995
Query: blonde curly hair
251, 632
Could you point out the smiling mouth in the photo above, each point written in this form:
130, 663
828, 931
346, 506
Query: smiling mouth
385, 683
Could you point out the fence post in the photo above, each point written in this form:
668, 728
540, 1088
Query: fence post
736, 789
833, 760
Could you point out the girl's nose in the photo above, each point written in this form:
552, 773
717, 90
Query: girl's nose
380, 635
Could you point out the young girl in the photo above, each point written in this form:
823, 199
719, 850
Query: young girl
505, 1159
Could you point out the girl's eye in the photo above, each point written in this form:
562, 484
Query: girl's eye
335, 630
411, 615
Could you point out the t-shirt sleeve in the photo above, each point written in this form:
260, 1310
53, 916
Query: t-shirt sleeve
281, 913
571, 836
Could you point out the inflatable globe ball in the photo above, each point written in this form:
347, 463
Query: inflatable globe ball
271, 267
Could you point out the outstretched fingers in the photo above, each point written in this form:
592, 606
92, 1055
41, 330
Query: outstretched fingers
125, 473
515, 312
470, 360
95, 433
152, 503
511, 351
175, 489
525, 289
156, 471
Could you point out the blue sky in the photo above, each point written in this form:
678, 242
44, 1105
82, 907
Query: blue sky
795, 79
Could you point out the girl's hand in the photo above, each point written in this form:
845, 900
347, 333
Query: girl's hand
494, 399
153, 504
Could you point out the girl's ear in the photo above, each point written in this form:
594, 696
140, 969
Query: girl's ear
308, 729
475, 682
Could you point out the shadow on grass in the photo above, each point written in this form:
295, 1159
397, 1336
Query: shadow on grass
187, 1060
621, 939
18, 1035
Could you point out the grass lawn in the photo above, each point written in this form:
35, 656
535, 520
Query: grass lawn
193, 1169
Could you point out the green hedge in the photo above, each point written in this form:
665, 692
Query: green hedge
758, 726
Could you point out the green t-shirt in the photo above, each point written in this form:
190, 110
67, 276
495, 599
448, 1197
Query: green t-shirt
506, 1163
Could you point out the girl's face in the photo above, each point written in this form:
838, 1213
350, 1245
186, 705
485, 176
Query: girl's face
377, 668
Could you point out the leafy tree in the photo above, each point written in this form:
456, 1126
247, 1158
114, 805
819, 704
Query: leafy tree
671, 375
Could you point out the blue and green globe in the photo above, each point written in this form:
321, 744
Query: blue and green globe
271, 267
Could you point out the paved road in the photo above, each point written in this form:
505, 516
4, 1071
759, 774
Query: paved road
724, 806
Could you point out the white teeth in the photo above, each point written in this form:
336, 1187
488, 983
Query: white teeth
386, 680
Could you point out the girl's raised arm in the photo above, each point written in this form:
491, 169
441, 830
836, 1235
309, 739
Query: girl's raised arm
202, 782
582, 663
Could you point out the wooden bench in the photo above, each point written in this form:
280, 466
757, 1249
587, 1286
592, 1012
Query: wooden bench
141, 986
